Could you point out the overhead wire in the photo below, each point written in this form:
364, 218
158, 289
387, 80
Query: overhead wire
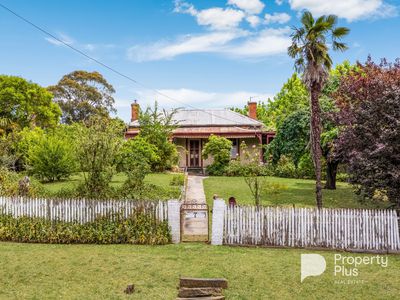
113, 69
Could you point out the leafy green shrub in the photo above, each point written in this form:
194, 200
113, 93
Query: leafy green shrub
138, 228
285, 167
305, 168
220, 149
135, 158
147, 192
9, 184
235, 168
99, 144
52, 158
156, 128
177, 180
238, 168
342, 177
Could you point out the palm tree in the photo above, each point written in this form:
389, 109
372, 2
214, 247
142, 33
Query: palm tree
311, 53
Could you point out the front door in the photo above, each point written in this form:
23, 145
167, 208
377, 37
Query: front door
194, 153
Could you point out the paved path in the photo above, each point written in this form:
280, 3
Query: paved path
194, 190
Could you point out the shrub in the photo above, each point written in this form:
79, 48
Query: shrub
235, 168
305, 168
9, 184
52, 158
220, 149
138, 228
342, 177
177, 180
148, 192
285, 167
135, 159
99, 143
156, 127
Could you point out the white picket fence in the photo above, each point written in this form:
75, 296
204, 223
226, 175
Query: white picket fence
347, 229
79, 210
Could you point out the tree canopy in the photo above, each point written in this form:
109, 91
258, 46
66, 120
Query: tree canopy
83, 94
292, 97
369, 116
24, 104
292, 137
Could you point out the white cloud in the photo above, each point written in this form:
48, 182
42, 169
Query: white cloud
279, 2
232, 43
267, 42
225, 37
249, 6
65, 39
62, 40
216, 18
191, 97
347, 9
184, 8
253, 20
280, 18
219, 18
208, 42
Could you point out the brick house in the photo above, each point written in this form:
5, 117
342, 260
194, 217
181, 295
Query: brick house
195, 126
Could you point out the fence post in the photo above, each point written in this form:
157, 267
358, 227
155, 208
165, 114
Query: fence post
174, 220
218, 213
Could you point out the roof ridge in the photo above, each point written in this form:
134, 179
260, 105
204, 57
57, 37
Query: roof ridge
200, 109
246, 117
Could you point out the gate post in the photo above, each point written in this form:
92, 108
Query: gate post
174, 220
218, 214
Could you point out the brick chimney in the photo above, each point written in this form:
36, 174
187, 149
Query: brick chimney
134, 111
252, 110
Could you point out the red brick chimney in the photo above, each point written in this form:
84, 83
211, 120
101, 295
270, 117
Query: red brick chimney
252, 110
134, 111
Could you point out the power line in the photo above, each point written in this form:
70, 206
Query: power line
107, 66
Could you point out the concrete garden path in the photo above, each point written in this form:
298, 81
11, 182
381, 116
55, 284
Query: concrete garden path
194, 190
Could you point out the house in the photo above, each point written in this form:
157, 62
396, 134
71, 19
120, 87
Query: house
196, 125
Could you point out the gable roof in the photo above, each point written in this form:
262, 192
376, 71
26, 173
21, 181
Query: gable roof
210, 117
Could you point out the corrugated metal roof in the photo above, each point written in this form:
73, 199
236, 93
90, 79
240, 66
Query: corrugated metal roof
210, 117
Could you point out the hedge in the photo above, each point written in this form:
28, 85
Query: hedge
138, 228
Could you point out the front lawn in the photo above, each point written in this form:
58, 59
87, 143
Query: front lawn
284, 191
37, 271
159, 179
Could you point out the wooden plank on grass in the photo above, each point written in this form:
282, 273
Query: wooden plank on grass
203, 298
185, 292
203, 282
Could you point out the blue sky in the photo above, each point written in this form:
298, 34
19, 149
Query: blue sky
203, 53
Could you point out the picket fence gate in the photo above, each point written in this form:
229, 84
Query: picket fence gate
347, 229
79, 210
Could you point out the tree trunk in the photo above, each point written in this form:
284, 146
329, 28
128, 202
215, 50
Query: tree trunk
331, 170
315, 138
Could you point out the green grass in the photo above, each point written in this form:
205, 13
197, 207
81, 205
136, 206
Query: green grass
298, 192
36, 271
160, 179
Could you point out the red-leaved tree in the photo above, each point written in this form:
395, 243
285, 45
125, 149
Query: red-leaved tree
369, 115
